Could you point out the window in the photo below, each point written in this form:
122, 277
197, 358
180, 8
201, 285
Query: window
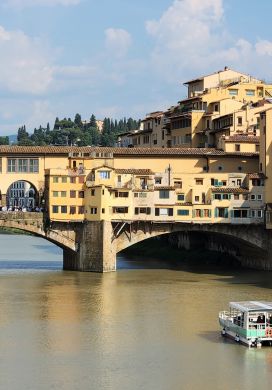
217, 196
259, 213
55, 209
164, 194
80, 209
63, 194
121, 194
233, 92
183, 212
253, 213
158, 180
181, 197
250, 92
103, 211
55, 179
252, 197
216, 107
63, 209
93, 210
197, 213
196, 198
120, 210
199, 182
220, 168
55, 194
136, 194
178, 184
259, 197
146, 139
240, 213
225, 196
81, 179
236, 196
104, 174
92, 192
81, 194
72, 179
239, 182
34, 165
245, 197
240, 168
142, 210
64, 179
72, 210
237, 147
257, 148
23, 165
72, 194
239, 120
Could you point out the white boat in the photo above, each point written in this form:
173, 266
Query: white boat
249, 323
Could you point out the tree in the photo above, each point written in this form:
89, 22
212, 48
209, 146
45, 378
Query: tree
78, 121
4, 140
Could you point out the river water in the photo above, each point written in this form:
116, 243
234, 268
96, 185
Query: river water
144, 327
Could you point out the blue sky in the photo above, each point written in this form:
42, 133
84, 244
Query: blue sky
118, 57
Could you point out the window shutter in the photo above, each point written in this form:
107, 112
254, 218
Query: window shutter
148, 211
136, 210
157, 212
216, 212
231, 213
193, 213
201, 213
226, 213
170, 212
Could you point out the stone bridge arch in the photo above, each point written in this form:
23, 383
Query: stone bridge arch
61, 235
250, 244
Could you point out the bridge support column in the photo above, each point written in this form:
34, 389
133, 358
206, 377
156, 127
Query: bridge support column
96, 252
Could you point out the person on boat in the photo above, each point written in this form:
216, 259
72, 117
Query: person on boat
259, 319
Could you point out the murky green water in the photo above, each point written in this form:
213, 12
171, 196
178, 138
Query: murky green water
138, 328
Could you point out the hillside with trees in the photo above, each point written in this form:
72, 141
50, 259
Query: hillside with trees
77, 132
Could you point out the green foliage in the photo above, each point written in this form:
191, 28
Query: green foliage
68, 132
4, 140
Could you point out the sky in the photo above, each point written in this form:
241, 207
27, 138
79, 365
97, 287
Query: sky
120, 58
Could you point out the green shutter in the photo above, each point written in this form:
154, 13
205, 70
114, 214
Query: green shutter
216, 212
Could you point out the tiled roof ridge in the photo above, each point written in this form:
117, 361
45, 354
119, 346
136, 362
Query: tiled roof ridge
15, 149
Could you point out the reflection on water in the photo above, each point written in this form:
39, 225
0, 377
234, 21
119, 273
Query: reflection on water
144, 327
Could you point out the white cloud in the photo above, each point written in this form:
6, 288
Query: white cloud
25, 63
117, 41
191, 37
35, 3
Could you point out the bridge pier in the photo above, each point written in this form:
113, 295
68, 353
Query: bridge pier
95, 251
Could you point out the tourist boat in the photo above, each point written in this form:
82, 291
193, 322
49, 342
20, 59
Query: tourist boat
248, 322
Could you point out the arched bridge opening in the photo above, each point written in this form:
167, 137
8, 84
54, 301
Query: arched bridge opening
249, 245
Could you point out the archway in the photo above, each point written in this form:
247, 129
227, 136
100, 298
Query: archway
22, 194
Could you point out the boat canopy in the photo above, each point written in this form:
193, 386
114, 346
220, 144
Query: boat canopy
247, 306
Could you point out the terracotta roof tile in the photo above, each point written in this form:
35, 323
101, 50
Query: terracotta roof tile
243, 138
134, 171
88, 150
228, 190
256, 175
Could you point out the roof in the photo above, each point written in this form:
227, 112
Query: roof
158, 188
256, 175
119, 152
230, 190
134, 171
246, 306
243, 138
211, 74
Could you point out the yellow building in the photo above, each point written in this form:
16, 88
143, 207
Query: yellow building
181, 185
224, 103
